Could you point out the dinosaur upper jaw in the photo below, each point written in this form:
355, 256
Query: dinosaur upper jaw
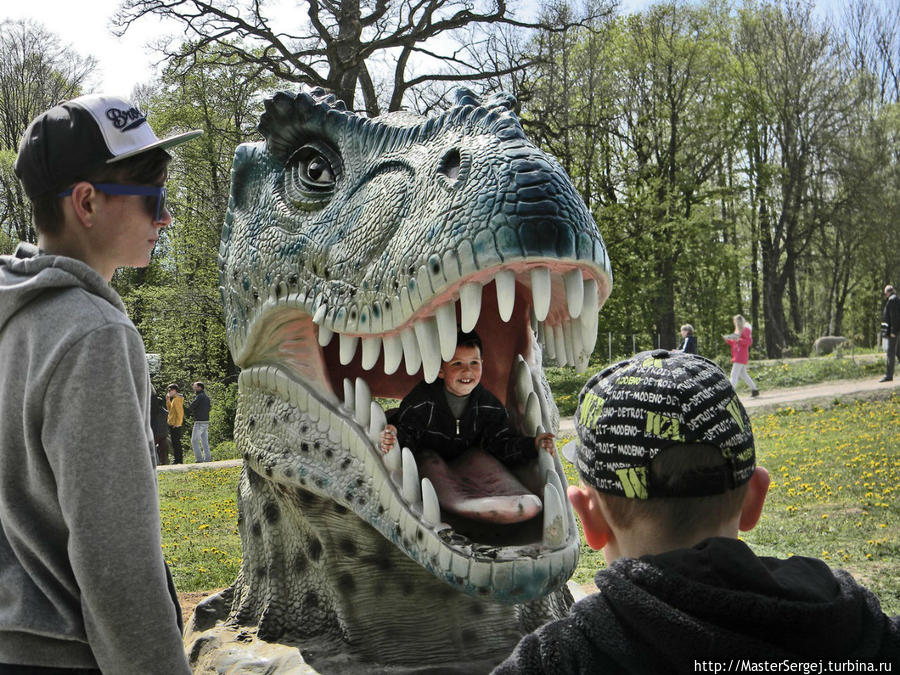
558, 300
332, 387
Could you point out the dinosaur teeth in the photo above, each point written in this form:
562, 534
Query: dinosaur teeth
445, 317
545, 462
560, 345
412, 491
589, 319
363, 401
505, 281
566, 334
522, 373
429, 347
532, 414
574, 292
325, 335
469, 305
377, 422
349, 395
348, 348
431, 509
393, 353
371, 349
554, 518
393, 459
411, 351
541, 291
549, 341
569, 346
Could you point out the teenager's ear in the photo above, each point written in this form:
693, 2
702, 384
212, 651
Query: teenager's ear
84, 197
586, 503
757, 490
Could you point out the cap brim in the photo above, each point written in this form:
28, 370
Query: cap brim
169, 142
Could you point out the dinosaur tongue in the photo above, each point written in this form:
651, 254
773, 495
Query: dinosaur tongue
479, 487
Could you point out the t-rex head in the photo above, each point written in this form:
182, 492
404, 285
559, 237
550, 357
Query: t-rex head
352, 251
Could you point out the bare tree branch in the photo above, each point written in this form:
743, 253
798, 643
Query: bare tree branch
336, 43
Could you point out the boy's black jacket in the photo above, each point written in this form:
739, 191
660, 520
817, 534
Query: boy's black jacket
717, 602
425, 422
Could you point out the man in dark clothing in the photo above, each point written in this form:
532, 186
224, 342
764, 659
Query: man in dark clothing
158, 424
199, 410
890, 328
666, 456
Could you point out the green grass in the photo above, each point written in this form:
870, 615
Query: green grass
199, 527
780, 374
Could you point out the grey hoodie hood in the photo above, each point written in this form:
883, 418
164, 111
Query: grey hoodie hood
27, 273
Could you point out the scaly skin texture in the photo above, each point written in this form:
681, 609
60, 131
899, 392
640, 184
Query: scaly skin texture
352, 250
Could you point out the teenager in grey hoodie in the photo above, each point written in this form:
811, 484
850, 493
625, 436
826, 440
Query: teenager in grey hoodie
83, 583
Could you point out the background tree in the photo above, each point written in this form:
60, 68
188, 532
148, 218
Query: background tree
175, 302
798, 104
36, 72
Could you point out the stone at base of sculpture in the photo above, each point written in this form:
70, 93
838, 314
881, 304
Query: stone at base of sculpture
827, 344
352, 252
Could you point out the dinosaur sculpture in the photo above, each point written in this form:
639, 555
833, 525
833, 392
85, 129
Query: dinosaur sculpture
351, 251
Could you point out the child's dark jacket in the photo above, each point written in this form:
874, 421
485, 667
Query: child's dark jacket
425, 422
715, 602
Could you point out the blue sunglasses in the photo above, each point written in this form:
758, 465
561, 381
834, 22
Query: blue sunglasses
155, 197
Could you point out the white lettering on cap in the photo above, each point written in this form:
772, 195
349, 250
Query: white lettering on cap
125, 129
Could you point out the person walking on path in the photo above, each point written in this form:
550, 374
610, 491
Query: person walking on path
890, 328
199, 410
740, 342
175, 406
85, 587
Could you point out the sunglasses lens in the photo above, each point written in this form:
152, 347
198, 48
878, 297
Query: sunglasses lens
156, 205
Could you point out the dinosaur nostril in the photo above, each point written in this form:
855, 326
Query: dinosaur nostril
450, 164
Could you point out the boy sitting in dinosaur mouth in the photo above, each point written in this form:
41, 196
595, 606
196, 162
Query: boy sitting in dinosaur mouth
461, 437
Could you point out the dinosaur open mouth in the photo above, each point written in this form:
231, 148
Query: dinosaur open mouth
329, 363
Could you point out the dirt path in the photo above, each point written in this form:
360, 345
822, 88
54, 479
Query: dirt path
823, 394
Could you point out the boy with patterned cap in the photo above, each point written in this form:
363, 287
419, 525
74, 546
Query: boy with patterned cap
666, 456
84, 584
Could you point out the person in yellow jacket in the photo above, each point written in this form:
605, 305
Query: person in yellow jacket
175, 406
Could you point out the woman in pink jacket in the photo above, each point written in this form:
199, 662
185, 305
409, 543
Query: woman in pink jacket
740, 342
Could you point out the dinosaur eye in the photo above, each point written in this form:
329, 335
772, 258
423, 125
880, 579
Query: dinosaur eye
311, 174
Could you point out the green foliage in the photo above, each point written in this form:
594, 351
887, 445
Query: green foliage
717, 188
175, 302
565, 383
221, 415
225, 450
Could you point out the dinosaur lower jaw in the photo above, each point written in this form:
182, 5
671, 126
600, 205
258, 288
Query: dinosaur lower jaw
506, 563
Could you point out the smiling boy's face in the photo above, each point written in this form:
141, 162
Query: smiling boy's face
462, 373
